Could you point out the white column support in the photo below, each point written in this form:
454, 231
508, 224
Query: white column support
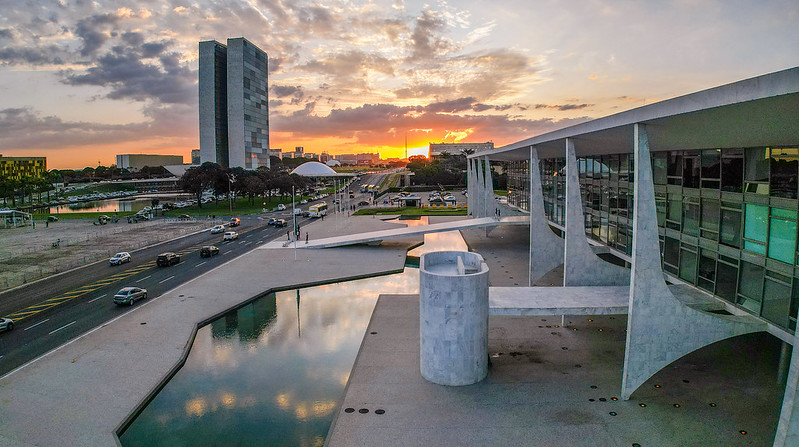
489, 204
660, 328
470, 186
582, 267
479, 195
788, 428
546, 248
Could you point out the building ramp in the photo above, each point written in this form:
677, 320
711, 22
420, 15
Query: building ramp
395, 233
578, 300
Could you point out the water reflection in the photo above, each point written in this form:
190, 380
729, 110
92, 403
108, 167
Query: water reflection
269, 373
444, 241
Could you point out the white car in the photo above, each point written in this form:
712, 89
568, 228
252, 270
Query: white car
119, 258
230, 235
303, 202
218, 229
281, 207
6, 324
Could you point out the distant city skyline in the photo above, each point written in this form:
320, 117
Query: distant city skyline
84, 81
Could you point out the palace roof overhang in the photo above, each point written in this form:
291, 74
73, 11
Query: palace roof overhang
760, 111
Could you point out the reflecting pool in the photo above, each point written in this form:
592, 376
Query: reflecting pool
269, 373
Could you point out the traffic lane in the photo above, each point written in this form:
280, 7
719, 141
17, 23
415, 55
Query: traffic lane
12, 301
80, 316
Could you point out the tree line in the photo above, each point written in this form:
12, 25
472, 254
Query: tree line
262, 182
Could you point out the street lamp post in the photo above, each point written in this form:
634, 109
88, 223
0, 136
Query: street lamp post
294, 218
230, 179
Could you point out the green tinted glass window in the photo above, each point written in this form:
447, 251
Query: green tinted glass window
730, 228
750, 286
688, 266
782, 240
691, 218
776, 303
755, 228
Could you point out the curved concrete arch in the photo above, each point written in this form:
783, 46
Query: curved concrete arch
582, 267
661, 328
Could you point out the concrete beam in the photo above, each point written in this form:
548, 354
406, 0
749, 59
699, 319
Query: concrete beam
546, 248
660, 328
581, 266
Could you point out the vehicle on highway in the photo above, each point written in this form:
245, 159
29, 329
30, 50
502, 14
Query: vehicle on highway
129, 295
280, 223
184, 217
318, 210
119, 258
230, 235
297, 211
6, 324
167, 259
306, 214
218, 229
234, 222
363, 203
208, 251
281, 207
52, 219
271, 221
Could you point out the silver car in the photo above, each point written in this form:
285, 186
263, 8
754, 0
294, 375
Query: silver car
119, 258
129, 295
6, 324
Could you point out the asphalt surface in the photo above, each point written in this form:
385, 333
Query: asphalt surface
49, 313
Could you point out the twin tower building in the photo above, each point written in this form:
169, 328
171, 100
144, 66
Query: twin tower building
234, 107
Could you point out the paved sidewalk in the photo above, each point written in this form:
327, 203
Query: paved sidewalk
79, 394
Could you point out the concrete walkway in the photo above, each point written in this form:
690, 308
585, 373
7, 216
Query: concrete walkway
382, 235
79, 394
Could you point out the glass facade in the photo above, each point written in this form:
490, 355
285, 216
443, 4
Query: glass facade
727, 218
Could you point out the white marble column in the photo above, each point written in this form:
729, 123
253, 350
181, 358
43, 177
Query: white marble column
479, 187
489, 204
582, 267
660, 328
546, 248
469, 186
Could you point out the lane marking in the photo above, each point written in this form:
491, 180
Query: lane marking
161, 282
41, 322
98, 298
144, 278
224, 253
62, 327
200, 264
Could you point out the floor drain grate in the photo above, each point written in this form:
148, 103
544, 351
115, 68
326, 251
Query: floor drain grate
602, 399
676, 405
642, 405
349, 410
578, 366
363, 410
593, 387
143, 323
712, 404
373, 333
380, 411
612, 413
565, 348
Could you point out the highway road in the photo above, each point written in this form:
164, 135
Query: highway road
49, 313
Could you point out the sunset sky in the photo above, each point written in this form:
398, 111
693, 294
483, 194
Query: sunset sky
81, 81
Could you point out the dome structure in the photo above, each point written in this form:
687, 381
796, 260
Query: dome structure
333, 163
314, 169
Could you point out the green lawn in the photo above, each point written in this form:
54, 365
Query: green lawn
412, 211
501, 192
240, 206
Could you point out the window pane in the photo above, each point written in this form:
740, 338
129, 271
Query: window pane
784, 169
782, 240
675, 164
671, 251
730, 228
776, 303
732, 168
690, 174
726, 280
750, 285
711, 170
691, 218
710, 215
688, 266
757, 164
707, 265
675, 209
756, 223
660, 208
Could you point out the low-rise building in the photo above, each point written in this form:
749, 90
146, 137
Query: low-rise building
436, 149
19, 167
134, 162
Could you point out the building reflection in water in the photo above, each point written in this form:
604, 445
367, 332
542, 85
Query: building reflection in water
270, 372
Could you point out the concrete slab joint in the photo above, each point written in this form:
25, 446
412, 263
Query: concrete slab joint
546, 248
581, 266
660, 328
453, 317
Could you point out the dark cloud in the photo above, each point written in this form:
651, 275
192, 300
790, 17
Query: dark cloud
6, 33
31, 55
285, 91
563, 107
453, 106
426, 40
123, 71
91, 31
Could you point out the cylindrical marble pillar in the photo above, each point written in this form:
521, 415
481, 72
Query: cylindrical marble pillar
453, 314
